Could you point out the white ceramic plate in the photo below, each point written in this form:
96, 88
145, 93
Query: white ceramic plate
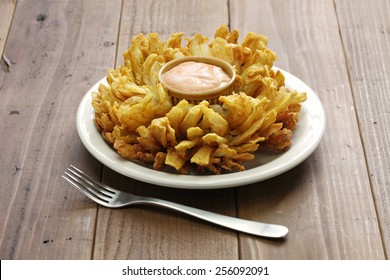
306, 137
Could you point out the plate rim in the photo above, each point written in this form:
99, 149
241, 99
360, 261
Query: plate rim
138, 172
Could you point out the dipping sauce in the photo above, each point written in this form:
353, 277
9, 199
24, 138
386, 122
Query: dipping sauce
196, 77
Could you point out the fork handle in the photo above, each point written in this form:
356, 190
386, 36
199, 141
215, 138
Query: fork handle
251, 227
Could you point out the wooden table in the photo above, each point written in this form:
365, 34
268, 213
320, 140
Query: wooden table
336, 204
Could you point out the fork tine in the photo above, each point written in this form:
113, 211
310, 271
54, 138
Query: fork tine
88, 187
98, 187
84, 190
90, 180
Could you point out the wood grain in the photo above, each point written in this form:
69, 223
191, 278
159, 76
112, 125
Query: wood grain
367, 48
318, 200
58, 51
147, 233
7, 8
336, 203
155, 233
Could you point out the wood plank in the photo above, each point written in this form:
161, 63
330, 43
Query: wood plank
367, 47
145, 232
148, 233
58, 52
326, 201
7, 8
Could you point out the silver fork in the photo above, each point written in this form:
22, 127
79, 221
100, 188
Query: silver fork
112, 198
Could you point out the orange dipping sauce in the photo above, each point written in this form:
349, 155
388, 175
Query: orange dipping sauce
196, 77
